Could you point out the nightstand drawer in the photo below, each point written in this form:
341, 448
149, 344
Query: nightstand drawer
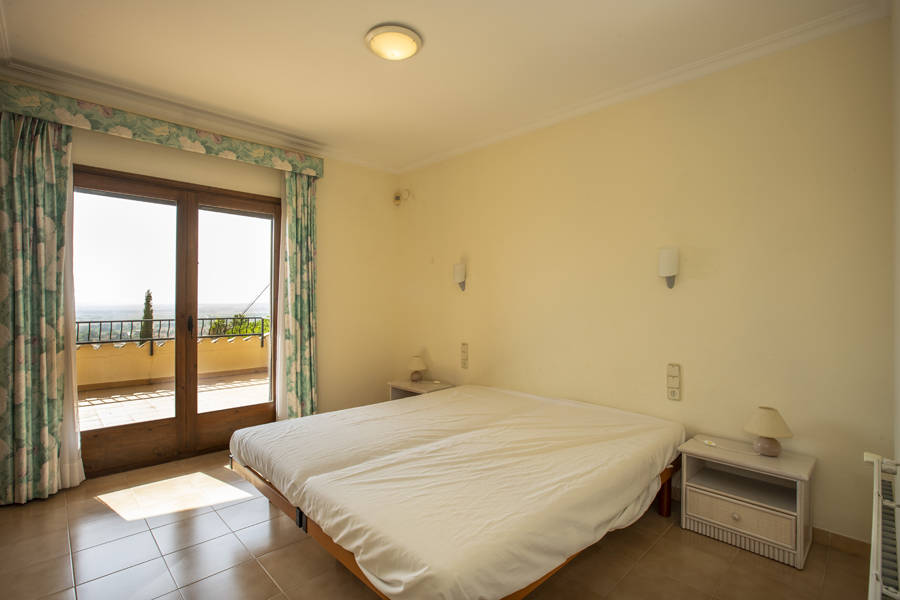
767, 525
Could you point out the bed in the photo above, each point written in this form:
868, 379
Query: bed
469, 492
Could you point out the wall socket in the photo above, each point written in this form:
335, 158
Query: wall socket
464, 355
673, 381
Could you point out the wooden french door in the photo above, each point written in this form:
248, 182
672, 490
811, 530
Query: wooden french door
194, 428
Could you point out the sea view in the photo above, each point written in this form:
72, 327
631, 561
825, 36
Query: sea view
89, 312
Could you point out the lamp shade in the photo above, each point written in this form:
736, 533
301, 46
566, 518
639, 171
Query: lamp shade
767, 422
417, 364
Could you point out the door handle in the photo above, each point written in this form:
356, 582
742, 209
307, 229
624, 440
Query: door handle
190, 324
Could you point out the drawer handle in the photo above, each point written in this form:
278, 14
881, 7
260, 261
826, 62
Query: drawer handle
735, 516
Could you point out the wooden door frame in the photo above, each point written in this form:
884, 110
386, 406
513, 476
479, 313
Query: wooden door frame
188, 433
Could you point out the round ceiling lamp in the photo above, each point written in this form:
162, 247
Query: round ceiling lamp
393, 42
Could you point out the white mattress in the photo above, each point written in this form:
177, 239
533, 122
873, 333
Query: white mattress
470, 492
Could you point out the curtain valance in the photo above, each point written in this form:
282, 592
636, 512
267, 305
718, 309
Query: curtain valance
31, 102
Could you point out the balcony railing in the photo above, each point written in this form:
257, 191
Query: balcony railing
141, 331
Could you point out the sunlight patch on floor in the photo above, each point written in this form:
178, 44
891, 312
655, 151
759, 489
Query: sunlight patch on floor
173, 495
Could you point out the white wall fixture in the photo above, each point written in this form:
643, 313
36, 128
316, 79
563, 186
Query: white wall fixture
459, 275
393, 42
668, 265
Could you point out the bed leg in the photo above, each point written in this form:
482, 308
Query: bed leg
664, 499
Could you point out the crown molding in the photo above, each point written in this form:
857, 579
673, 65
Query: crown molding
857, 14
179, 110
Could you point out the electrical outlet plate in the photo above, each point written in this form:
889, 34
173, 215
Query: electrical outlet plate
673, 381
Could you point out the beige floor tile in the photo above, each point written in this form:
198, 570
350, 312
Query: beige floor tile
292, 565
687, 565
336, 583
20, 524
87, 533
174, 517
38, 548
246, 581
847, 563
840, 585
249, 513
244, 486
806, 583
188, 532
176, 595
752, 584
200, 561
114, 556
270, 535
631, 542
689, 539
597, 570
656, 524
641, 587
33, 509
142, 582
38, 579
560, 588
68, 594
95, 486
91, 508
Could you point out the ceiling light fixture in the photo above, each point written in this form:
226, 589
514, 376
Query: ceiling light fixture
393, 42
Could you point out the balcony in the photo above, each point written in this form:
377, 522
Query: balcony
126, 369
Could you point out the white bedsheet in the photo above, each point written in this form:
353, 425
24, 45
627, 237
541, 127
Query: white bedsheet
466, 493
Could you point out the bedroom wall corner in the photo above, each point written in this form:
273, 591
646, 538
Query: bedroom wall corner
772, 177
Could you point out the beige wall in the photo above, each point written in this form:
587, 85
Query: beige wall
774, 180
359, 244
895, 54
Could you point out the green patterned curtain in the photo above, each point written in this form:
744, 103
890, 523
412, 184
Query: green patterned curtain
35, 162
297, 331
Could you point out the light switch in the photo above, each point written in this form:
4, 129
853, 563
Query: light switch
464, 355
673, 381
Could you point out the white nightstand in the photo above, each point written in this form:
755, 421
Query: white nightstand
404, 389
757, 503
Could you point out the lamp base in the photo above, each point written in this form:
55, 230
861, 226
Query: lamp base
415, 376
767, 446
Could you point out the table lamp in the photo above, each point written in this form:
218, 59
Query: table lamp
768, 425
416, 366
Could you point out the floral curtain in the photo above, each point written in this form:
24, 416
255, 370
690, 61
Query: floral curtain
296, 351
35, 167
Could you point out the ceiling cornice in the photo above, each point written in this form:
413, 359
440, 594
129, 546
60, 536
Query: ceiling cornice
180, 110
858, 14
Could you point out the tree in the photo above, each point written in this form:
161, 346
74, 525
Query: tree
147, 323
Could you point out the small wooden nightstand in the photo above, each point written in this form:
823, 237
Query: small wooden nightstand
404, 389
757, 503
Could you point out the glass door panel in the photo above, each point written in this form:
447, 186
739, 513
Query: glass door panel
234, 290
125, 273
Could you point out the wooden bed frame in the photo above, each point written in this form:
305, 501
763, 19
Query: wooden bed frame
346, 558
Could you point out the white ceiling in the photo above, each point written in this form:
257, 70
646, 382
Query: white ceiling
298, 72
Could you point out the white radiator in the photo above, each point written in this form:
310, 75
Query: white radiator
883, 582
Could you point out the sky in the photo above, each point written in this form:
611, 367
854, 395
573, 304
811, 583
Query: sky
124, 247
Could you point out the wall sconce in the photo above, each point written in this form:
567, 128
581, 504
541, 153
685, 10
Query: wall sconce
459, 275
668, 265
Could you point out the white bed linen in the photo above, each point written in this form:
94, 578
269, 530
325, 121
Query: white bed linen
466, 493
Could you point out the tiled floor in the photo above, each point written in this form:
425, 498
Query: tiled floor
134, 404
193, 529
